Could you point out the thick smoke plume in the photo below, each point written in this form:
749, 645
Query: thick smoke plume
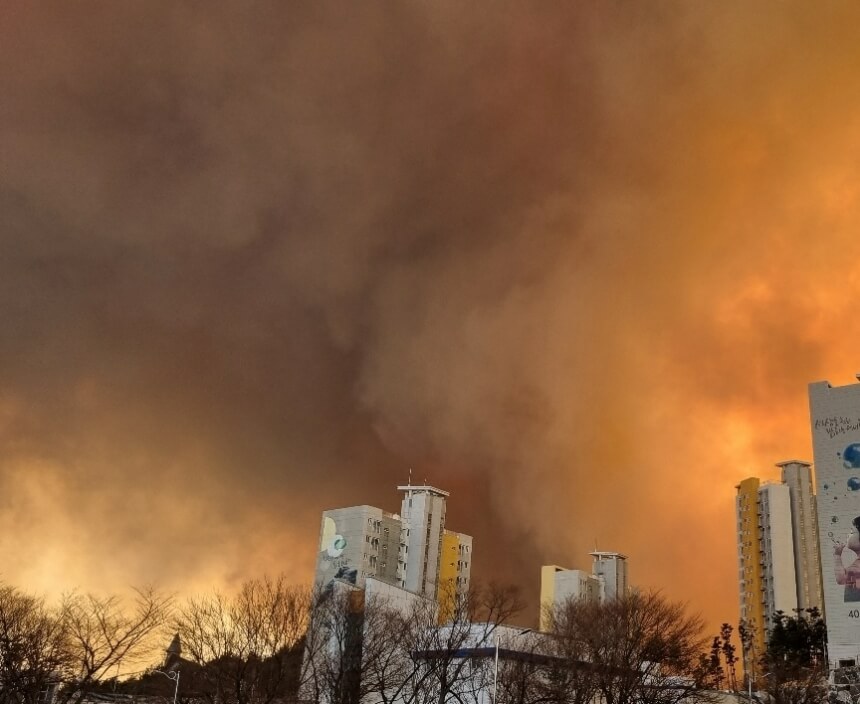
574, 262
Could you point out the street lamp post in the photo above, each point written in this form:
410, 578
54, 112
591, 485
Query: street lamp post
496, 667
763, 675
749, 666
173, 675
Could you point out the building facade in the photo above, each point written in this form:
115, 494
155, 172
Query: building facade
411, 550
776, 551
455, 570
749, 563
835, 421
610, 568
358, 542
799, 479
779, 568
422, 515
607, 580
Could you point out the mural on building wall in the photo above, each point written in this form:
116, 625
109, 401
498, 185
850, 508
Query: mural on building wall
846, 565
332, 559
837, 448
841, 499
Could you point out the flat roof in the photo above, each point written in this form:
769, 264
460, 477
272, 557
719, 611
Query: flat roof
423, 488
604, 553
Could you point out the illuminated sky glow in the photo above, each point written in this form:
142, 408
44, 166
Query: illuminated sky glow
575, 265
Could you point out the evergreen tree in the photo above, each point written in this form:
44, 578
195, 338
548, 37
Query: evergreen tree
797, 641
729, 655
794, 664
716, 675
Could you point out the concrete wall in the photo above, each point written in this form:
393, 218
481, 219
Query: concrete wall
777, 551
423, 514
835, 419
804, 525
357, 542
749, 562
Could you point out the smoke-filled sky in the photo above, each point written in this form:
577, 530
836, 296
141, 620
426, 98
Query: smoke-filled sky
574, 262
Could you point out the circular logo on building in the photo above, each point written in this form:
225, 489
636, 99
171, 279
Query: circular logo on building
338, 545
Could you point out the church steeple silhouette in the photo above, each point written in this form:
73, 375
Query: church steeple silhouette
174, 652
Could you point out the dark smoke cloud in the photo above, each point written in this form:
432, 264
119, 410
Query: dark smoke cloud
574, 263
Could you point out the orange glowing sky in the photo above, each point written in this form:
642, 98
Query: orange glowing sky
576, 265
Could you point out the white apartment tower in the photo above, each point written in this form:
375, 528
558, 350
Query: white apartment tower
776, 551
797, 476
611, 569
422, 513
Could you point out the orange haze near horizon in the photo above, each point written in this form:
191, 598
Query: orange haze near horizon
576, 264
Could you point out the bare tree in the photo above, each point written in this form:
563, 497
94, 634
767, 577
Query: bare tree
103, 634
392, 634
568, 676
641, 648
347, 647
534, 670
72, 648
374, 650
452, 656
34, 649
245, 649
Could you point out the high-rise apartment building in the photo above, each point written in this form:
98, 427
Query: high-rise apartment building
411, 550
749, 562
422, 514
779, 569
798, 477
455, 567
835, 420
778, 576
607, 580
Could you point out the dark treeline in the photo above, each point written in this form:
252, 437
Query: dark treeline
793, 668
67, 650
274, 643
